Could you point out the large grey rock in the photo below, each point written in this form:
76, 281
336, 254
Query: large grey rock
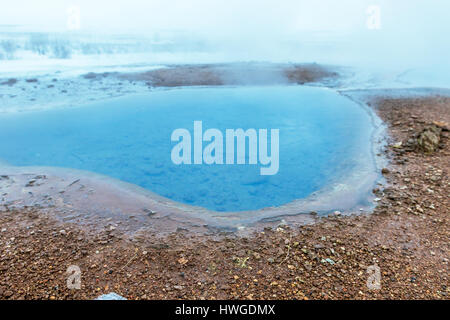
428, 140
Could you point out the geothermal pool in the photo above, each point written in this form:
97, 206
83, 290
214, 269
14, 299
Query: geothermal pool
323, 138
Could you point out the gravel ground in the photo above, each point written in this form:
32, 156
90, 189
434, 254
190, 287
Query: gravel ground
407, 237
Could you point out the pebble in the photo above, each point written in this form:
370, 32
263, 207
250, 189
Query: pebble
149, 212
110, 296
397, 145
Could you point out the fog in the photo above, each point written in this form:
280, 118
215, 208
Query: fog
250, 17
409, 33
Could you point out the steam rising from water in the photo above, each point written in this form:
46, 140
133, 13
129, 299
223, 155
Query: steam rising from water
408, 34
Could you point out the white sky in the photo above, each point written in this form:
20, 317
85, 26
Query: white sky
226, 16
412, 31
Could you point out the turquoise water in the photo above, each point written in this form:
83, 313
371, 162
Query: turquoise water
322, 137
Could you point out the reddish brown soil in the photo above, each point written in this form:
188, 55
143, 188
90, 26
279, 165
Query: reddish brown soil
407, 237
232, 74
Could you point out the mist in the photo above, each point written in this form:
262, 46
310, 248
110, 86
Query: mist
406, 34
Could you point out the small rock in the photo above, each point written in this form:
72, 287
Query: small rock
443, 125
376, 191
30, 183
397, 145
149, 212
8, 294
110, 296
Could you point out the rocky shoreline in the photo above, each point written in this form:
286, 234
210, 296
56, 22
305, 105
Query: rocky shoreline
407, 237
57, 89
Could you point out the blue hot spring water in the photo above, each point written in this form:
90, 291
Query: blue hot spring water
129, 138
